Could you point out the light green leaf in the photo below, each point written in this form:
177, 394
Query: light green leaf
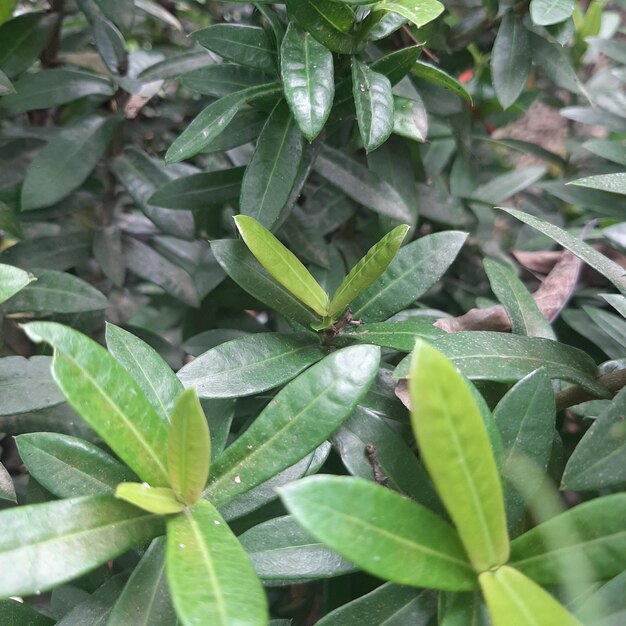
455, 449
547, 12
514, 600
615, 183
382, 532
282, 264
107, 398
12, 280
158, 500
418, 12
189, 448
209, 574
7, 489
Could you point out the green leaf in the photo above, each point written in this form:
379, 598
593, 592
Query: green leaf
189, 448
397, 335
49, 88
382, 532
55, 252
614, 183
69, 467
510, 59
282, 550
418, 12
374, 104
462, 609
599, 460
583, 543
606, 267
506, 185
14, 613
410, 119
153, 375
272, 172
107, 398
239, 263
456, 451
221, 80
514, 600
56, 292
308, 80
299, 418
604, 606
212, 121
67, 538
546, 12
484, 355
329, 22
158, 500
282, 264
7, 489
397, 64
209, 574
388, 604
414, 270
65, 162
526, 318
251, 364
12, 280
553, 61
439, 77
246, 45
146, 598
6, 86
368, 269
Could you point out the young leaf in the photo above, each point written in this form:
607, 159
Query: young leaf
305, 413
382, 532
282, 264
189, 448
374, 105
308, 80
12, 280
209, 575
107, 398
455, 448
158, 500
514, 600
368, 269
71, 537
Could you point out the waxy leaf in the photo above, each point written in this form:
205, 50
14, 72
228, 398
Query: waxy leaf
456, 451
514, 600
547, 12
45, 545
272, 172
107, 398
613, 183
14, 613
7, 489
209, 575
374, 105
69, 467
12, 280
159, 500
308, 80
397, 335
250, 365
299, 418
282, 264
382, 532
397, 64
368, 269
419, 12
221, 80
189, 448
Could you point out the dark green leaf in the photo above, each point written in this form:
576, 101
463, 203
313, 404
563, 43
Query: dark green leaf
57, 252
221, 80
396, 65
506, 185
419, 12
439, 77
553, 61
6, 86
14, 613
397, 335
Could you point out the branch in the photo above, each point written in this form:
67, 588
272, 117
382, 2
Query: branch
613, 381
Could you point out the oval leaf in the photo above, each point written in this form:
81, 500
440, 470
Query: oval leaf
159, 500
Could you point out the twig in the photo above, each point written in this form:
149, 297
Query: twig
613, 381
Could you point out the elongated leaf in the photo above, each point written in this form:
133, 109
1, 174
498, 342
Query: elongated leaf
148, 369
67, 538
146, 598
189, 448
439, 77
506, 185
239, 263
282, 264
397, 335
246, 45
397, 64
158, 500
455, 448
605, 606
209, 574
586, 542
211, 122
414, 270
281, 550
272, 172
12, 280
514, 600
14, 613
6, 86
250, 365
553, 61
56, 252
374, 105
296, 421
107, 398
510, 59
368, 269
606, 267
546, 12
380, 531
69, 467
308, 79
410, 119
615, 183
221, 80
7, 489
418, 12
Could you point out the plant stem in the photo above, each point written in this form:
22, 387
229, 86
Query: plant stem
613, 381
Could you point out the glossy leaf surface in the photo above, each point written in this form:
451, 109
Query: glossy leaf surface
12, 280
397, 335
158, 500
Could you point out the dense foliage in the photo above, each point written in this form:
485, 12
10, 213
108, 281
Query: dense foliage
359, 267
